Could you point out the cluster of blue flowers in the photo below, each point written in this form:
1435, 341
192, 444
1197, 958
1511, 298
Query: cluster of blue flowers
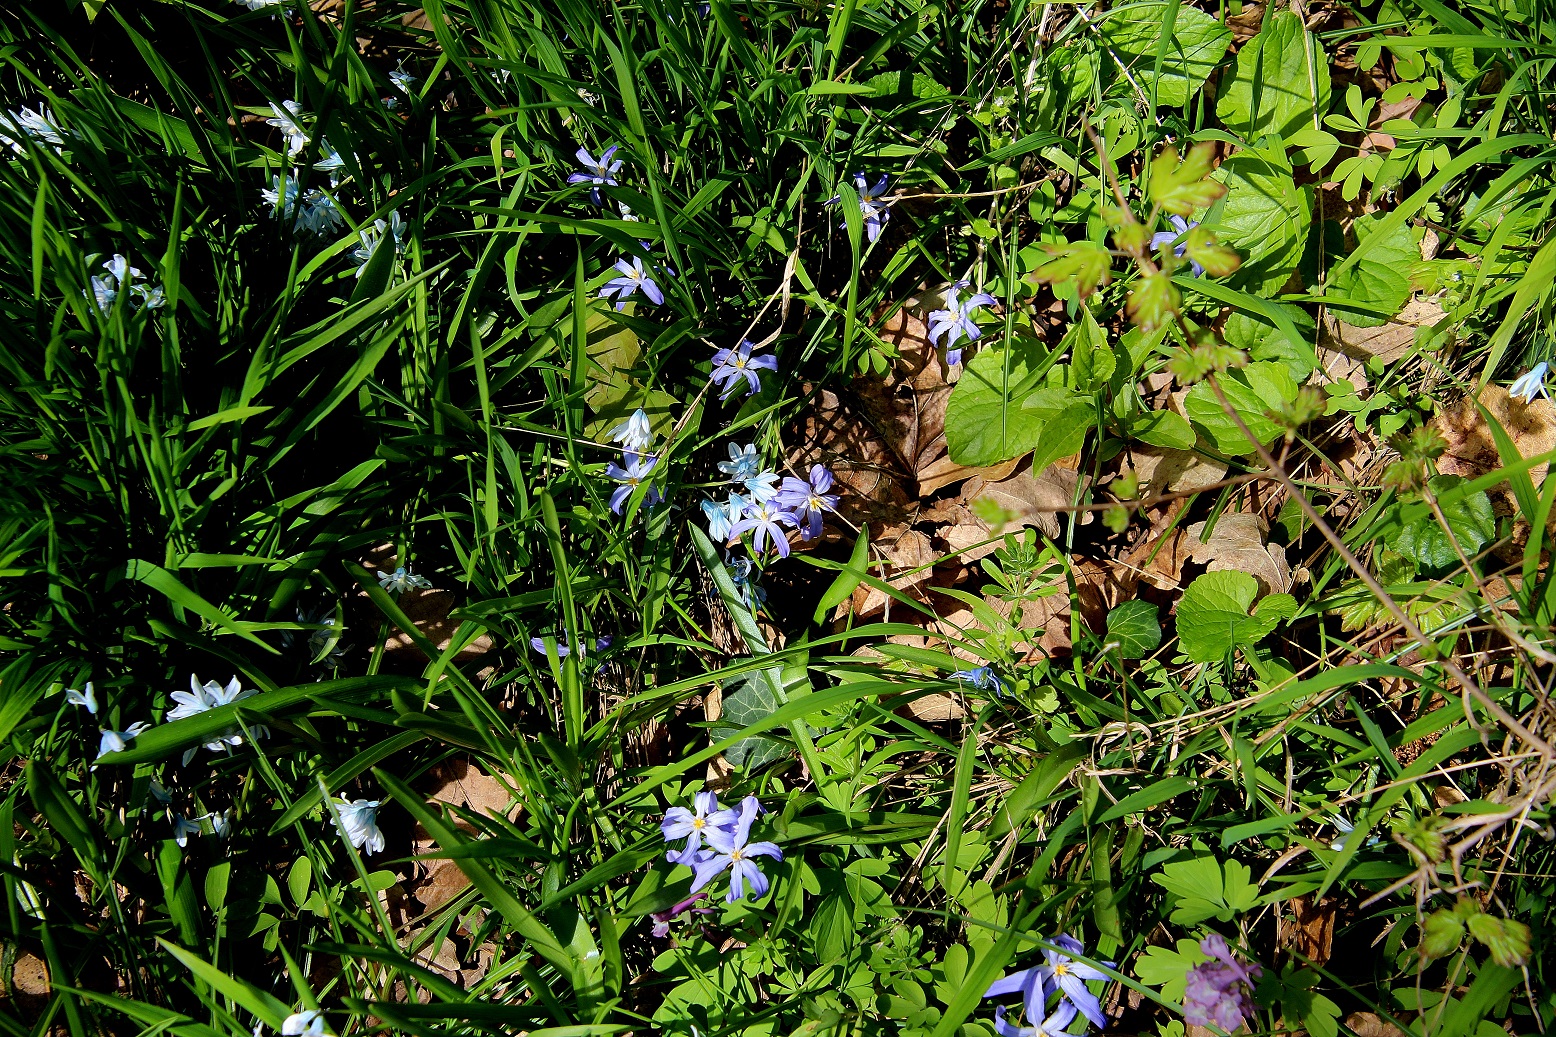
121, 279
718, 840
1059, 974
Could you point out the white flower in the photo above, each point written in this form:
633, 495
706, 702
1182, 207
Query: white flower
26, 124
402, 580
285, 119
1532, 384
87, 698
332, 163
403, 81
359, 818
634, 434
201, 697
183, 828
303, 1024
372, 237
120, 278
320, 215
118, 741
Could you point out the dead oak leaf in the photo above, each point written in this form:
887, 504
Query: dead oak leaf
1237, 544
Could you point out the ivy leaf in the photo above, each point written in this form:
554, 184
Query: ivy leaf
1265, 216
1214, 617
1083, 263
1134, 626
1154, 302
1181, 187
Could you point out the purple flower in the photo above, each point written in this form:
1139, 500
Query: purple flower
808, 499
1070, 977
955, 321
1219, 992
731, 365
662, 919
680, 823
1032, 984
596, 173
764, 519
875, 212
631, 477
562, 650
1180, 227
740, 574
722, 517
731, 851
633, 277
1052, 1025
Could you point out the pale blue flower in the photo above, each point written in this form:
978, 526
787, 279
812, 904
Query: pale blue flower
183, 828
983, 678
765, 520
730, 850
37, 126
731, 365
1180, 227
601, 643
286, 117
86, 697
744, 463
403, 81
303, 1024
1531, 384
210, 695
635, 434
371, 238
874, 211
742, 573
596, 172
955, 321
808, 499
639, 468
402, 580
120, 279
118, 741
359, 822
722, 517
693, 826
631, 278
313, 211
220, 825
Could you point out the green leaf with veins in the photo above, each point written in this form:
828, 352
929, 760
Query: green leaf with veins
1252, 391
1214, 616
1380, 280
1265, 216
1274, 89
1427, 543
995, 414
1199, 42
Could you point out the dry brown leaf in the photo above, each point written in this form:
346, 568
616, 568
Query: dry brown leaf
462, 784
1370, 1024
1309, 930
1237, 544
835, 433
1472, 450
429, 611
1028, 500
1159, 560
911, 557
1166, 470
1388, 343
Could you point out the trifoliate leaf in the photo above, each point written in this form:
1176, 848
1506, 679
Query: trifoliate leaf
1180, 187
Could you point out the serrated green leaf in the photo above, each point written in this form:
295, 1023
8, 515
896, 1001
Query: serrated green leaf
1214, 616
1282, 79
1251, 391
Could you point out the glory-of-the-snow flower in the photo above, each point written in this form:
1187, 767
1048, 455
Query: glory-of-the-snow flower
631, 277
303, 1024
1059, 973
1180, 227
732, 365
597, 173
118, 741
981, 677
286, 117
872, 209
765, 520
639, 467
693, 826
1531, 384
808, 499
730, 849
402, 580
955, 321
24, 124
373, 237
722, 517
